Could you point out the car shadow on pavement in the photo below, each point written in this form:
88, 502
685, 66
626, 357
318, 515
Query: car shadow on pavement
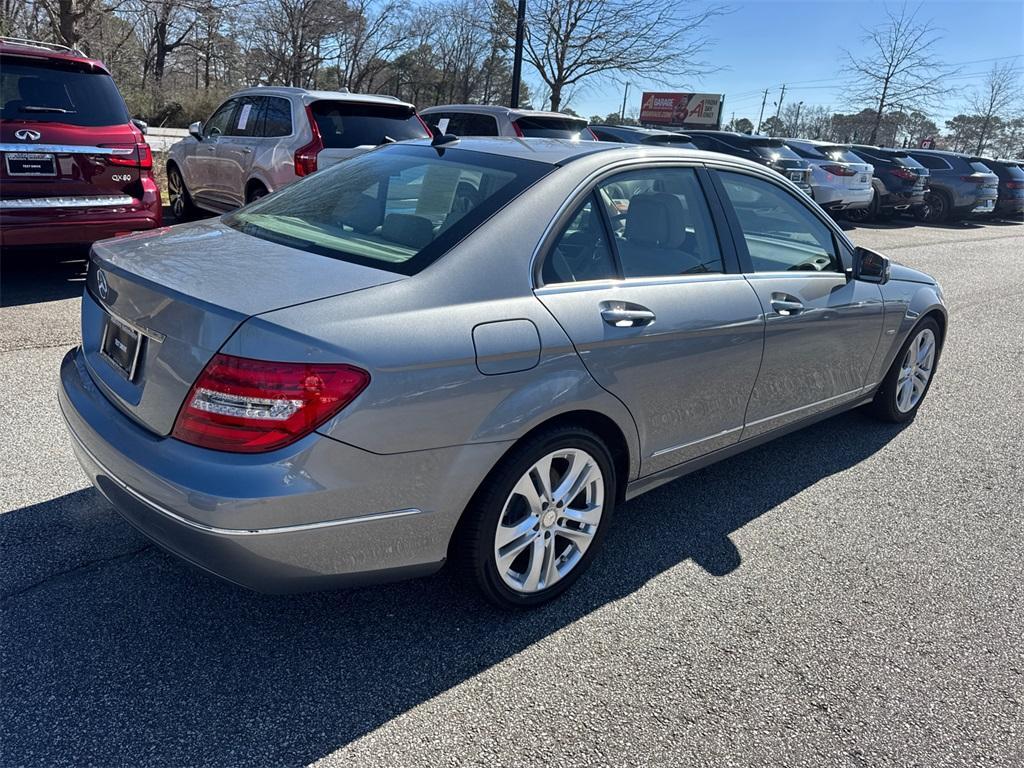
115, 653
30, 276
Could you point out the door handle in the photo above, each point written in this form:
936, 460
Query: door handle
245, 150
626, 316
786, 305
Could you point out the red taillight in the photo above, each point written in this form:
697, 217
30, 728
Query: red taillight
839, 170
1015, 185
904, 173
251, 406
593, 136
133, 155
518, 130
305, 157
974, 179
425, 127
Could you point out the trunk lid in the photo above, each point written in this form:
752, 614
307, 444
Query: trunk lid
181, 293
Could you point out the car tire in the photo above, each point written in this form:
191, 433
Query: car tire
937, 208
891, 402
538, 543
255, 192
865, 215
182, 207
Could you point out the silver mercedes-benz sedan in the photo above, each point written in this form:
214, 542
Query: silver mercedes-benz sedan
472, 350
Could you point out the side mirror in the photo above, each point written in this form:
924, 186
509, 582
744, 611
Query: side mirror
196, 130
142, 125
870, 267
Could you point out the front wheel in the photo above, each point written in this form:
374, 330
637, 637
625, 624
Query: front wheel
182, 206
936, 209
538, 520
910, 376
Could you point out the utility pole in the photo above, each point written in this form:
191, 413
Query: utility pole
778, 104
760, 117
622, 112
796, 127
517, 59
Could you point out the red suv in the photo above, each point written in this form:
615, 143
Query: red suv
74, 168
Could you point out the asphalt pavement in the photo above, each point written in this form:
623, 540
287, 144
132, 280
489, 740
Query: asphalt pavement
848, 595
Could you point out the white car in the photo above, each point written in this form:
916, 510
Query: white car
840, 180
261, 139
494, 120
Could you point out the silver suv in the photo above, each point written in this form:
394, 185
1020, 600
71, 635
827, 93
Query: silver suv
491, 120
262, 139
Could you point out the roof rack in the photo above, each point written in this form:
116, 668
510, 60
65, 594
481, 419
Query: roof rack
40, 44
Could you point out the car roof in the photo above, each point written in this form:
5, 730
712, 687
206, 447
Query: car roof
30, 49
309, 96
645, 131
818, 142
498, 110
563, 151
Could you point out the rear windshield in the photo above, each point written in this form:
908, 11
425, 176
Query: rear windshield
397, 208
775, 153
1014, 172
670, 139
907, 162
840, 154
554, 128
980, 167
344, 125
51, 92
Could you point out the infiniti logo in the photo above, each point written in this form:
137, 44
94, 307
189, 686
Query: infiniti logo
101, 284
27, 134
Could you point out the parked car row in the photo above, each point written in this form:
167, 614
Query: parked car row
77, 168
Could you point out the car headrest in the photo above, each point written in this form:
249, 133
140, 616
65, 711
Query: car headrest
42, 92
656, 218
408, 229
363, 215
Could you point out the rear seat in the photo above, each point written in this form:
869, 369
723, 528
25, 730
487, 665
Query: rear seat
655, 237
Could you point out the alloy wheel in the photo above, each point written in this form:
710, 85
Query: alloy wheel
176, 193
915, 371
549, 520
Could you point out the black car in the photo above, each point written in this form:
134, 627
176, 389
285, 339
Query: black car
900, 182
1010, 204
958, 185
631, 134
761, 149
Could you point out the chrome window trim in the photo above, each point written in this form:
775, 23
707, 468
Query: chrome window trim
576, 286
66, 149
92, 201
217, 531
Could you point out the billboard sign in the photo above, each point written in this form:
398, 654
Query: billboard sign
682, 110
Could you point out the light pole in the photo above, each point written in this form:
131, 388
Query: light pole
517, 59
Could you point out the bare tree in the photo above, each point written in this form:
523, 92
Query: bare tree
571, 41
897, 67
998, 96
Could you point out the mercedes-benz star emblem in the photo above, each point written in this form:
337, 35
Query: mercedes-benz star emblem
101, 284
27, 134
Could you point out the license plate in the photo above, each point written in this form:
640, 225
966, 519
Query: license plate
863, 177
30, 164
121, 346
796, 176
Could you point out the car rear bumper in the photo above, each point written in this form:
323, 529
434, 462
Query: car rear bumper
836, 198
901, 201
42, 221
317, 514
1010, 206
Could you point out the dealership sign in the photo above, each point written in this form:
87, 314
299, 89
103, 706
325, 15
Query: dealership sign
684, 110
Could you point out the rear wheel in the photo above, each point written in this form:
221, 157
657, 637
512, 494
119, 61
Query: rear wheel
538, 520
908, 380
256, 191
936, 208
182, 206
864, 215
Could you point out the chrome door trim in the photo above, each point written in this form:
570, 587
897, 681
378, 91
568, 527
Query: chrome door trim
633, 282
91, 201
217, 531
692, 443
816, 403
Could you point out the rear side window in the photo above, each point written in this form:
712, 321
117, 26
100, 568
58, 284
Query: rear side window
581, 251
553, 128
277, 117
780, 233
978, 167
344, 125
398, 208
45, 92
660, 223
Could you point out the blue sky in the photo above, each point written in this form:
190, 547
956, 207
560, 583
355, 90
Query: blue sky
764, 43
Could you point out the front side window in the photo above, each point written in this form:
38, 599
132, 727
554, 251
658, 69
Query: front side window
934, 162
246, 120
660, 223
54, 92
581, 251
398, 208
780, 232
219, 123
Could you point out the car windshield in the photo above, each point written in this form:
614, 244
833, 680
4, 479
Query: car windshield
553, 128
398, 208
54, 92
344, 125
